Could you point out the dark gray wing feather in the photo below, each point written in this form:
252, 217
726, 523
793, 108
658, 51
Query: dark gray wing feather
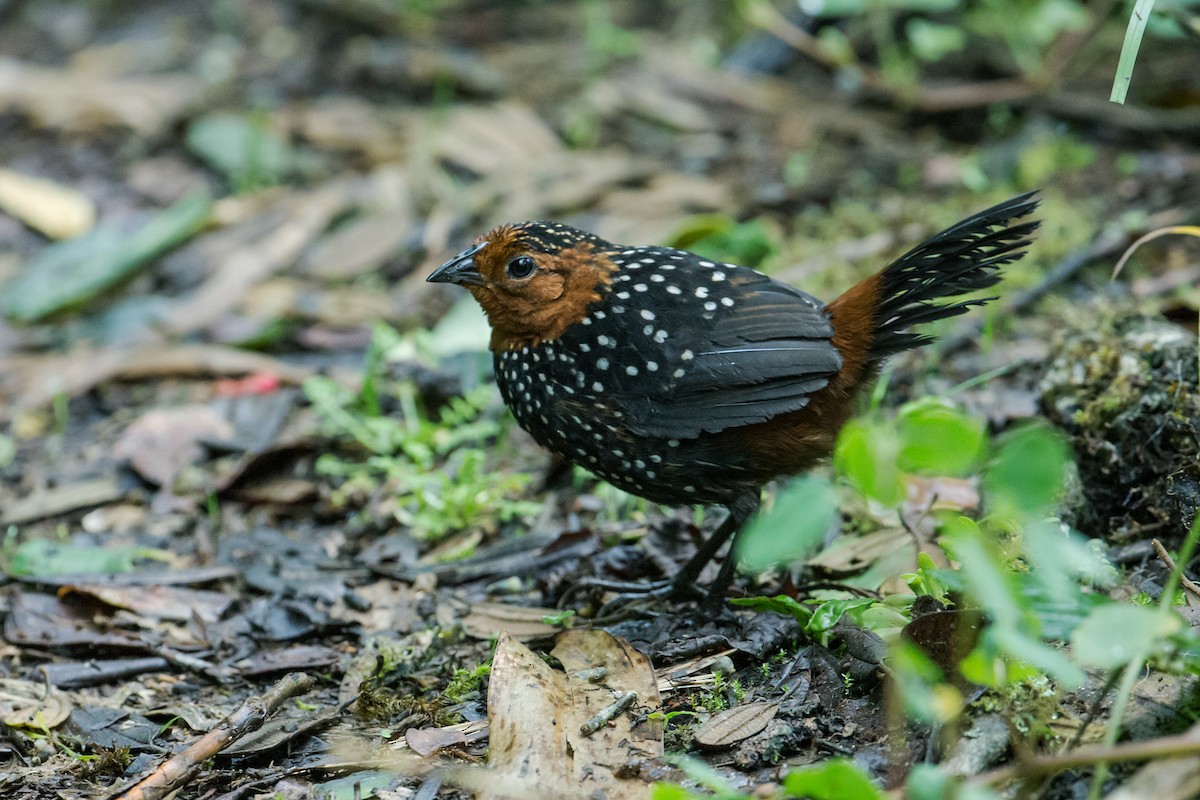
764, 355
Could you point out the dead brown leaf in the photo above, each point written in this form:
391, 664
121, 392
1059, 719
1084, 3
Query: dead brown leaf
61, 499
853, 553
536, 714
282, 231
177, 603
82, 101
31, 381
164, 441
486, 620
29, 704
728, 727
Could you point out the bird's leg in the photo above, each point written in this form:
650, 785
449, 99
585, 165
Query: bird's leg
740, 512
683, 585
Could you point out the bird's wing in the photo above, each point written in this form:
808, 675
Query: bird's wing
730, 348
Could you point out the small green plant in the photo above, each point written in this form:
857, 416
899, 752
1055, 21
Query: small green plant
564, 619
722, 238
465, 682
437, 467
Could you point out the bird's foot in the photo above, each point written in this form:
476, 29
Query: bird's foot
631, 594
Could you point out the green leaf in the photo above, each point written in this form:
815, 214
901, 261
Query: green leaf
866, 455
938, 439
781, 604
722, 238
932, 41
1129, 49
42, 557
1113, 635
827, 614
1026, 475
836, 779
72, 272
670, 791
929, 782
245, 150
803, 513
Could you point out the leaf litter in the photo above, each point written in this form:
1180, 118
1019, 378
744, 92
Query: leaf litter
134, 363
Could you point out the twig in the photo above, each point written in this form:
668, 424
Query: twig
1165, 557
938, 98
608, 713
1183, 744
181, 767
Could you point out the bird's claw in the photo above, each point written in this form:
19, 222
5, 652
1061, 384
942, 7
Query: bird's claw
630, 593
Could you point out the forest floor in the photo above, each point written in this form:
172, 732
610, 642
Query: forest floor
247, 453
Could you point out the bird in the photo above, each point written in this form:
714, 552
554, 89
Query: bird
686, 380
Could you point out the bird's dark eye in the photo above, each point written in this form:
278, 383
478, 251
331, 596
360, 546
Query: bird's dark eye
521, 267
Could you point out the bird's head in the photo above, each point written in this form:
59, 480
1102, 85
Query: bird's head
533, 280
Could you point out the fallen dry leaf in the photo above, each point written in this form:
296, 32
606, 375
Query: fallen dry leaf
29, 704
81, 101
427, 741
486, 620
51, 208
178, 603
732, 725
535, 717
35, 380
164, 441
282, 231
853, 553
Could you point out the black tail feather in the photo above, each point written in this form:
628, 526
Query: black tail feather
959, 260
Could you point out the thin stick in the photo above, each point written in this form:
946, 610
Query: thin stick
182, 767
1184, 744
1165, 557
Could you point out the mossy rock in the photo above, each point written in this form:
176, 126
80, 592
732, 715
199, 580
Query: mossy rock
1127, 393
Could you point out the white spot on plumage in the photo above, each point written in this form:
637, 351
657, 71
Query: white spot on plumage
702, 292
647, 314
631, 370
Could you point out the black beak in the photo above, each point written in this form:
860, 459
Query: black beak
460, 269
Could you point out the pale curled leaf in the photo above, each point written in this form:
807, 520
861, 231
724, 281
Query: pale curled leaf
58, 211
